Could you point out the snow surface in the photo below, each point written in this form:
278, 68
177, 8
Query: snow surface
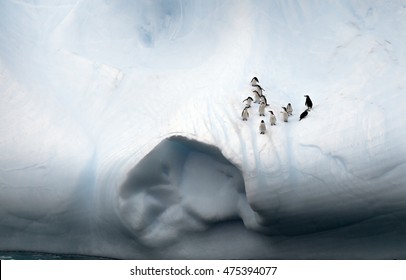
121, 131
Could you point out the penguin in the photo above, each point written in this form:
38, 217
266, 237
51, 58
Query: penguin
245, 114
259, 89
262, 109
257, 96
262, 127
308, 102
263, 99
285, 114
272, 118
254, 81
289, 109
248, 100
304, 114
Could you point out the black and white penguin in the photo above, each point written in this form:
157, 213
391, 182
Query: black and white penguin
248, 100
262, 127
245, 114
257, 96
254, 81
259, 89
272, 118
308, 102
263, 99
289, 109
304, 114
261, 109
285, 114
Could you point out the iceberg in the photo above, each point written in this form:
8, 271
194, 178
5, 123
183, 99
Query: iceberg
121, 133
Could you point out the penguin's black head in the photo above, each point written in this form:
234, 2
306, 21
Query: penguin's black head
289, 104
262, 121
250, 98
306, 96
254, 79
270, 112
284, 108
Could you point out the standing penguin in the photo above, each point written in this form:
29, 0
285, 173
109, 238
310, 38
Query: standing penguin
308, 102
257, 96
254, 81
248, 100
262, 109
259, 89
272, 118
304, 114
262, 127
285, 114
289, 109
245, 114
263, 99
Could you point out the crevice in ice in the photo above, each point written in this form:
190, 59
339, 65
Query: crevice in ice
339, 160
181, 186
319, 178
388, 170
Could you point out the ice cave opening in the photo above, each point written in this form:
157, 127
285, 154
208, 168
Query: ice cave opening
182, 185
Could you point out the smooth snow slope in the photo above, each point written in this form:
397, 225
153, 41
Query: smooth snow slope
121, 133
